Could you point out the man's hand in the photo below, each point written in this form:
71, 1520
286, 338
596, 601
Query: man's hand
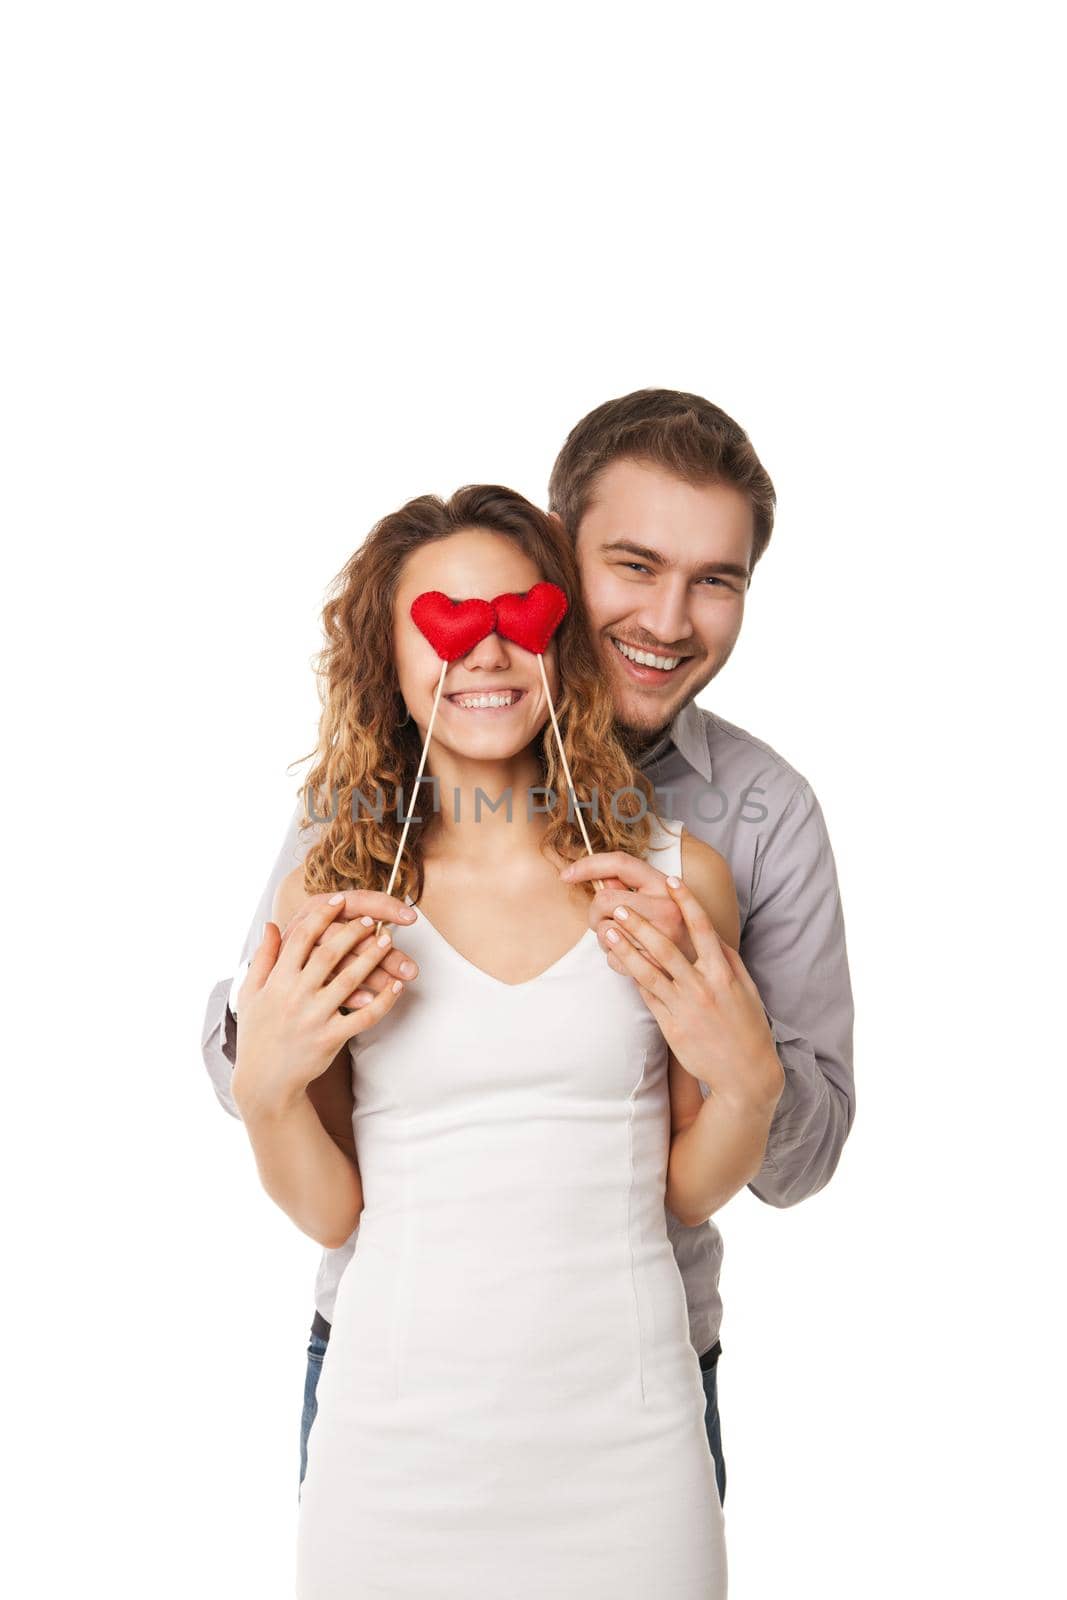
634, 883
368, 906
709, 1009
291, 1025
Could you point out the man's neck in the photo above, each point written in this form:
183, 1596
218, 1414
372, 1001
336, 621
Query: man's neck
642, 745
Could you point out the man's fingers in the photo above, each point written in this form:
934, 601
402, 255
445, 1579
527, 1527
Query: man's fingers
633, 929
303, 938
362, 1017
344, 943
654, 906
340, 988
740, 971
394, 965
262, 963
706, 942
659, 909
337, 943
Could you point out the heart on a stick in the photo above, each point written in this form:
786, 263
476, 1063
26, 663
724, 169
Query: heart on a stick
453, 627
532, 618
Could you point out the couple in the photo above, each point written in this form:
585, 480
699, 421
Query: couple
518, 1125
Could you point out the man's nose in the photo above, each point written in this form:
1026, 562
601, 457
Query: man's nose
664, 612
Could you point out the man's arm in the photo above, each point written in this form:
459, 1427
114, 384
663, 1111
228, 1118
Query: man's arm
793, 945
219, 1034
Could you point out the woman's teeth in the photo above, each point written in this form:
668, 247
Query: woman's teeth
644, 659
486, 702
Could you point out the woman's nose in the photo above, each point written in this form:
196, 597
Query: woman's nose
488, 652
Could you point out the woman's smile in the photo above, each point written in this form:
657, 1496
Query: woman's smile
486, 700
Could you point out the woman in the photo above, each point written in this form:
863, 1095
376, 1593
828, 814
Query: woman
511, 1403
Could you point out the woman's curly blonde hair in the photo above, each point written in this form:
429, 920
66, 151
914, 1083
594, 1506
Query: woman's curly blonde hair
369, 745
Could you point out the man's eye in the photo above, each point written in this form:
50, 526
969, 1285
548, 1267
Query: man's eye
638, 566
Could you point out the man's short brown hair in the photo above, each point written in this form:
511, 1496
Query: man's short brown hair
681, 432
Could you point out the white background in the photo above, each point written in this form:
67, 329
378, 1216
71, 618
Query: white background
270, 270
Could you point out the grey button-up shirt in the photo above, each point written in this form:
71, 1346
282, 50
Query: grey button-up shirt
734, 791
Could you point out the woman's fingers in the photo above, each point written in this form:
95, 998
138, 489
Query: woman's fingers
632, 872
354, 903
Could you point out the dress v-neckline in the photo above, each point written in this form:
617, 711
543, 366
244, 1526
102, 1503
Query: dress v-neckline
501, 983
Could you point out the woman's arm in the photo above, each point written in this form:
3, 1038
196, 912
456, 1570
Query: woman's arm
292, 1083
304, 1170
716, 1147
717, 1140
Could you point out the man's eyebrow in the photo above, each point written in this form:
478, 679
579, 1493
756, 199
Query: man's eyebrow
654, 559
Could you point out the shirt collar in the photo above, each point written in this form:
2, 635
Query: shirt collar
689, 736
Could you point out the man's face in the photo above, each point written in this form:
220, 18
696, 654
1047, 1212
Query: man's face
664, 567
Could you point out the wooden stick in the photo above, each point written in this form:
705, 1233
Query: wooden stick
566, 768
418, 775
422, 763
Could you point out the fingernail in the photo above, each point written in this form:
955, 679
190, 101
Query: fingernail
368, 922
675, 883
621, 911
407, 969
611, 935
397, 986
383, 938
566, 873
335, 900
363, 998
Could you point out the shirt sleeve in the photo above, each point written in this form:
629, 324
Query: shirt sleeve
219, 1033
793, 945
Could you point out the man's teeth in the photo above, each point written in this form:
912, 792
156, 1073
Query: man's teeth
644, 659
477, 702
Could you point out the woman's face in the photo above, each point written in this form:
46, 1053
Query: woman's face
472, 564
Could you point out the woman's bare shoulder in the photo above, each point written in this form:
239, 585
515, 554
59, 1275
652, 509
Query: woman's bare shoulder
289, 896
708, 874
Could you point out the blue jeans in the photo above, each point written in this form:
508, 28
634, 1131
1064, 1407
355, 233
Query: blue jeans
317, 1349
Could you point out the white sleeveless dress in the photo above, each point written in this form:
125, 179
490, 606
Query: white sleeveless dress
510, 1406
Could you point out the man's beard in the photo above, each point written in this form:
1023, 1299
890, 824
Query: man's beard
635, 741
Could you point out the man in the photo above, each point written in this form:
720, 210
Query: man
671, 509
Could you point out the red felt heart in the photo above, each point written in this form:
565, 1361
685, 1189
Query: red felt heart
453, 627
532, 618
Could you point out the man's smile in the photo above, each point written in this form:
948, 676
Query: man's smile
648, 666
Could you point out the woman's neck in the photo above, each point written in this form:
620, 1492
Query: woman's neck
485, 811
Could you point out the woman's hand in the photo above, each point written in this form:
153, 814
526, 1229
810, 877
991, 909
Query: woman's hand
709, 1010
367, 906
290, 1025
633, 882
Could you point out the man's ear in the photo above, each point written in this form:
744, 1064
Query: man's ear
554, 516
